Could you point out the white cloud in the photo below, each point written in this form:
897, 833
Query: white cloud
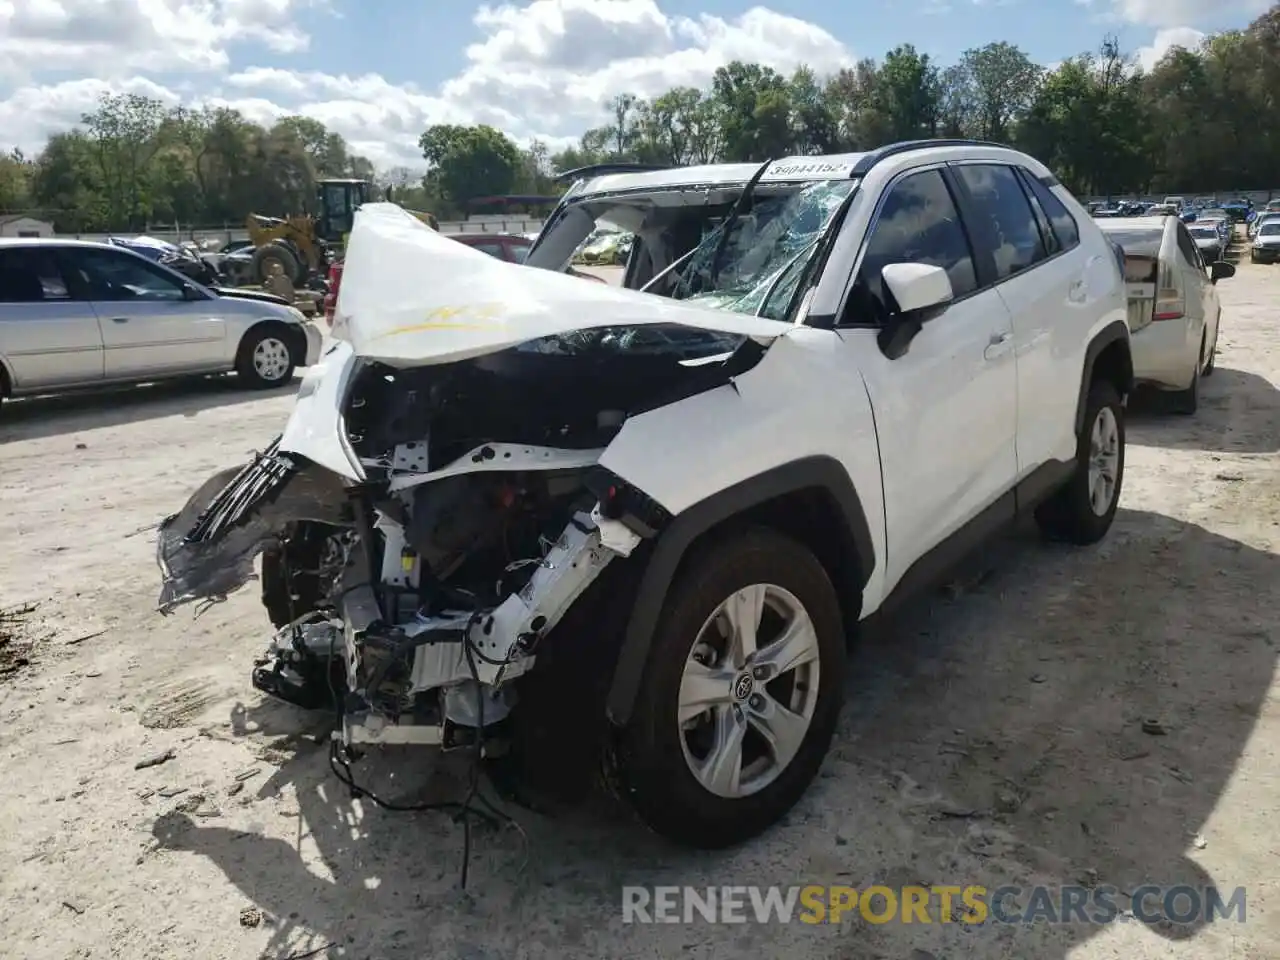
1164, 41
1173, 13
116, 38
542, 69
32, 114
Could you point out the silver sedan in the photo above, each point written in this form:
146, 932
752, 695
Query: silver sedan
76, 315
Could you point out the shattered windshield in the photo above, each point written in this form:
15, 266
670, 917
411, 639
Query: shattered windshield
758, 267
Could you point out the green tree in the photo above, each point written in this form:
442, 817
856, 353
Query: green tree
469, 162
66, 185
16, 174
754, 109
1000, 80
908, 94
124, 132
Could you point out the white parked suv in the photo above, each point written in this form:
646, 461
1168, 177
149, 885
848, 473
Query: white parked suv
552, 520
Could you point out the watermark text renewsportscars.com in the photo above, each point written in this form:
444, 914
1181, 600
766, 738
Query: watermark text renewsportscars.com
816, 904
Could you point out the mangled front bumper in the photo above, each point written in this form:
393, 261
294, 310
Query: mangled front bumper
206, 550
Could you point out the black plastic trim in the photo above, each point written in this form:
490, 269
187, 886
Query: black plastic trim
670, 548
1112, 332
981, 247
933, 567
867, 161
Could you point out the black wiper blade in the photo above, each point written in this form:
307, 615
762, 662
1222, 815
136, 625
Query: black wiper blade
735, 214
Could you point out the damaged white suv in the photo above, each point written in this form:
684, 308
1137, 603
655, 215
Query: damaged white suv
555, 521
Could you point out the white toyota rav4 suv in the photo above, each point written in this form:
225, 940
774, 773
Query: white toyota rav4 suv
552, 521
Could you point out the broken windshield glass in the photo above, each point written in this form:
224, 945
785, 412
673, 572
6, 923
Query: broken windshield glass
766, 254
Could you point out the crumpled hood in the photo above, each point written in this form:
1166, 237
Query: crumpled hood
412, 296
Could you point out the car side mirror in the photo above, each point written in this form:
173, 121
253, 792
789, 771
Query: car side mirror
921, 292
1221, 270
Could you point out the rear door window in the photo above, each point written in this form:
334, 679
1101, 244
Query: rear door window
1065, 230
122, 277
1004, 215
1189, 249
31, 275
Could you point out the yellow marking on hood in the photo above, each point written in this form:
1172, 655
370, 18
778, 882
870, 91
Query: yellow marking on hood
442, 318
418, 327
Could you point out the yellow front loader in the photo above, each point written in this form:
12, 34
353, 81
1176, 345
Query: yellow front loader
302, 244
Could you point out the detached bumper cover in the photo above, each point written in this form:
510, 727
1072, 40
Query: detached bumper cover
206, 550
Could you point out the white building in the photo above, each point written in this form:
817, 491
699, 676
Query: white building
18, 225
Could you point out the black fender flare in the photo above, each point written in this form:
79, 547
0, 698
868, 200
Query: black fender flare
1111, 333
678, 536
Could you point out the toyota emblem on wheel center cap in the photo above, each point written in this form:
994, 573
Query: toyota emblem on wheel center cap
743, 687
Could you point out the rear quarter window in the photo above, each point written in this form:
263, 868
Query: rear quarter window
1065, 229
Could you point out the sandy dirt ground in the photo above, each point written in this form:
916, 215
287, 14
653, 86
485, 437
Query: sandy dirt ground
995, 736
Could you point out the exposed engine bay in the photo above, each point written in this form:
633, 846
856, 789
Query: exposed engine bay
410, 603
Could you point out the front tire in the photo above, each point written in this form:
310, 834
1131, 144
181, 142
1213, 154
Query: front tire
270, 253
741, 693
265, 360
1082, 511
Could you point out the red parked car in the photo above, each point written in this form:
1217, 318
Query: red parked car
505, 246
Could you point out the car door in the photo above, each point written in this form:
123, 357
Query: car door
1041, 280
150, 324
945, 411
1201, 295
48, 336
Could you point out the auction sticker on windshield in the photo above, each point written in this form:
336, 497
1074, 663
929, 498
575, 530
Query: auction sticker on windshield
807, 168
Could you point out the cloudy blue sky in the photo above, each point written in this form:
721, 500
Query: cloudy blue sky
379, 71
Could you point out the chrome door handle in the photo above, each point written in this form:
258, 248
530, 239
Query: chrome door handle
997, 346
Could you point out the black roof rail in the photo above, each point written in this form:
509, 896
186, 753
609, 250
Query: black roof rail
602, 169
870, 159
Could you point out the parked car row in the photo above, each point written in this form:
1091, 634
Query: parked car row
1265, 245
1255, 225
1236, 210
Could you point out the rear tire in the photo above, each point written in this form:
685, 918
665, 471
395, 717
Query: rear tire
779, 582
265, 360
1187, 402
1082, 511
